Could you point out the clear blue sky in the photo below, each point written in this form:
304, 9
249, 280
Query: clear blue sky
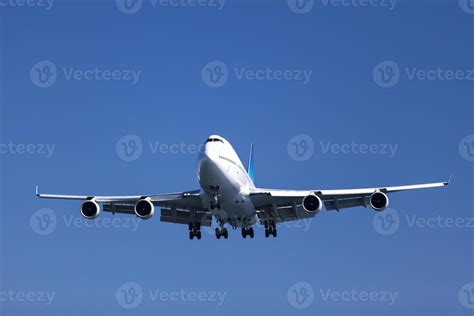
171, 101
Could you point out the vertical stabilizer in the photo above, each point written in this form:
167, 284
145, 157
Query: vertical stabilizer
250, 166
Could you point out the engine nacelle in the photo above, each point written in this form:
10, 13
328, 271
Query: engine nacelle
144, 209
90, 209
312, 203
379, 201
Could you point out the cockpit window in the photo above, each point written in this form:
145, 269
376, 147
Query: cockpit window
214, 140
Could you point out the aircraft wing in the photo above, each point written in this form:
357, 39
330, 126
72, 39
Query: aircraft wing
180, 207
286, 205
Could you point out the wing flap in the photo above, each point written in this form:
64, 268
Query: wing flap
284, 214
121, 208
185, 217
271, 198
338, 204
185, 200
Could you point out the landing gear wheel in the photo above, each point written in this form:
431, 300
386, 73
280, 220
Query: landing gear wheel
270, 231
222, 232
194, 230
244, 232
250, 232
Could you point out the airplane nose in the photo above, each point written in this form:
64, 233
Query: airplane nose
210, 157
209, 150
207, 167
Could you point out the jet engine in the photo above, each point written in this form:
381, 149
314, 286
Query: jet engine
378, 201
312, 203
90, 209
144, 209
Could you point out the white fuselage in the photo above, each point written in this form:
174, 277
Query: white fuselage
226, 183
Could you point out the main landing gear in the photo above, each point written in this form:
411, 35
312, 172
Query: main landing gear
247, 232
194, 230
270, 229
222, 232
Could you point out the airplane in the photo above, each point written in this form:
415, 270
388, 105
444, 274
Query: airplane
228, 194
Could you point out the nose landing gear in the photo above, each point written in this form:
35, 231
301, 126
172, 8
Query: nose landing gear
215, 205
215, 198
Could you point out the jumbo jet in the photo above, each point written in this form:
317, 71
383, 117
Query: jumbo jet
228, 194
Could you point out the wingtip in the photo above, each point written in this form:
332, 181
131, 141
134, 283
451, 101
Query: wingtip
449, 180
